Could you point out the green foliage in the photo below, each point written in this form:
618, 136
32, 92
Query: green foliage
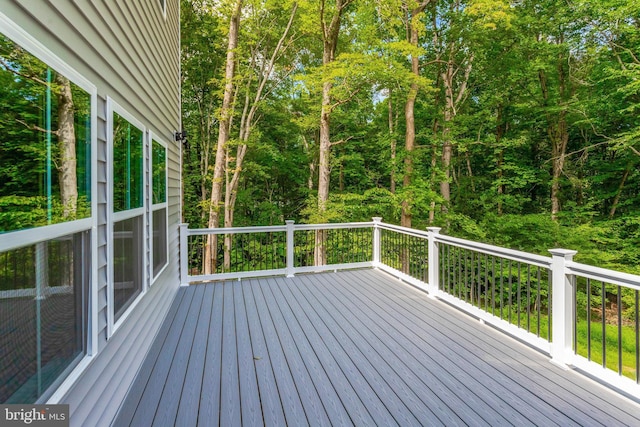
503, 131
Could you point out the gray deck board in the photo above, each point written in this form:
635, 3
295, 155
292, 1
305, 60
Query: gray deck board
230, 413
350, 348
290, 398
332, 334
156, 381
129, 406
209, 408
532, 376
188, 410
170, 398
349, 387
452, 388
495, 389
267, 385
297, 356
249, 396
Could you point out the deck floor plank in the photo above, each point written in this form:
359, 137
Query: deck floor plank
289, 395
209, 408
172, 392
469, 368
335, 410
148, 404
192, 388
452, 388
350, 348
393, 393
557, 387
249, 395
352, 389
267, 385
296, 349
129, 406
230, 412
384, 352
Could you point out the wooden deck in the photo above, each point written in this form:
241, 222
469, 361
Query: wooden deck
349, 348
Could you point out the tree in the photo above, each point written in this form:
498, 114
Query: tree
252, 99
413, 15
226, 113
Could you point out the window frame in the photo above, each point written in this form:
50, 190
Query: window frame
20, 238
112, 217
157, 206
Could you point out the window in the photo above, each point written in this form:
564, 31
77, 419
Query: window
159, 206
128, 211
43, 306
47, 113
45, 154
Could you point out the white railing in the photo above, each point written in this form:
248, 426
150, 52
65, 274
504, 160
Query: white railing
552, 303
275, 250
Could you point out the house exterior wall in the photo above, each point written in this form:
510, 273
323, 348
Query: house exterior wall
130, 51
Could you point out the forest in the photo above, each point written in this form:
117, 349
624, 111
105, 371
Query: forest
508, 122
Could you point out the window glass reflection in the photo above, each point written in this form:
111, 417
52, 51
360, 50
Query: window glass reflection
45, 137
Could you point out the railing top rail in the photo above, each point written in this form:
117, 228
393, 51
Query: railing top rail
611, 277
332, 226
514, 255
404, 230
277, 228
236, 230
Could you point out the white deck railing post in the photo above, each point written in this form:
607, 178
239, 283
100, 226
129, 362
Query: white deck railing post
562, 303
433, 261
376, 241
184, 253
290, 252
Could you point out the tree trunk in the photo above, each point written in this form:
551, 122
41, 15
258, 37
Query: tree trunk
330, 33
223, 137
616, 199
324, 170
559, 135
247, 121
312, 164
392, 178
500, 131
409, 113
67, 163
447, 154
452, 103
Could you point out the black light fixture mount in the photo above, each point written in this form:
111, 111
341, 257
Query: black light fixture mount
180, 136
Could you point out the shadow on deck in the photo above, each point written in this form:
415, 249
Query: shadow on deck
350, 348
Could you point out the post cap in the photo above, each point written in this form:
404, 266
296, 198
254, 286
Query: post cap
564, 253
377, 219
289, 221
435, 230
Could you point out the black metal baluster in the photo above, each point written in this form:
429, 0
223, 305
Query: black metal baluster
637, 340
501, 290
510, 291
588, 318
519, 293
619, 302
493, 285
549, 302
604, 326
538, 302
528, 297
